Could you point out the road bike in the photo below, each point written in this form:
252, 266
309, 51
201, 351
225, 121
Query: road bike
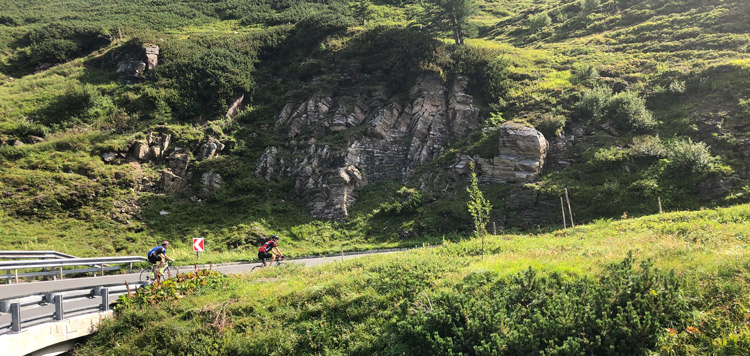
275, 263
169, 271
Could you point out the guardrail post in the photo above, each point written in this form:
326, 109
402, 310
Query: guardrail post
59, 311
49, 297
15, 323
16, 273
61, 273
105, 299
5, 305
101, 268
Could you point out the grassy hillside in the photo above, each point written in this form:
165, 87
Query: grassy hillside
669, 78
671, 284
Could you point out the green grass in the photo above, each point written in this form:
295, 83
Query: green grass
70, 184
351, 307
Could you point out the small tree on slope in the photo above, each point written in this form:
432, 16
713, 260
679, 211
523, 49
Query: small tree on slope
478, 206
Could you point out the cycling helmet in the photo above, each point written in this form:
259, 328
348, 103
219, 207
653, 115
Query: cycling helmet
275, 237
165, 243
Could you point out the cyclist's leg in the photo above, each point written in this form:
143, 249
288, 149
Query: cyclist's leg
153, 262
161, 264
262, 257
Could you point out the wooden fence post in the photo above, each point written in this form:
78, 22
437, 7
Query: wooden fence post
660, 211
570, 211
562, 207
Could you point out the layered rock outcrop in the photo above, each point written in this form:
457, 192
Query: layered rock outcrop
378, 138
522, 151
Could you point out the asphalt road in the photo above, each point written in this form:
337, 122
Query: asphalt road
8, 291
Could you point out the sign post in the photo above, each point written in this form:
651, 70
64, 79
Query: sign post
198, 246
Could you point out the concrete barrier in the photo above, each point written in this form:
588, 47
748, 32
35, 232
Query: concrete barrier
52, 338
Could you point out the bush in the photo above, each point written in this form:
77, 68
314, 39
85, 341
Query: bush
622, 313
207, 82
628, 111
539, 21
586, 73
79, 104
688, 156
549, 124
310, 31
594, 102
588, 6
400, 52
488, 71
410, 202
57, 43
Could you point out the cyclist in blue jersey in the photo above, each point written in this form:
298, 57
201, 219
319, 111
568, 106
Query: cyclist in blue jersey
158, 255
270, 249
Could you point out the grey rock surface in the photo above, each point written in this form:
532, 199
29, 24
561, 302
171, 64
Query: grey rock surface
210, 183
387, 138
152, 56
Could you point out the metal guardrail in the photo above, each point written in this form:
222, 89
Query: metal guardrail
25, 311
98, 264
17, 255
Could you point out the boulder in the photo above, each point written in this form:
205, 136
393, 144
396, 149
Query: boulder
131, 70
178, 163
210, 183
109, 157
158, 144
152, 57
210, 148
140, 150
176, 176
522, 152
35, 139
172, 183
521, 199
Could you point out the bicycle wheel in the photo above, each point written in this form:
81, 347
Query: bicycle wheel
255, 268
171, 271
144, 276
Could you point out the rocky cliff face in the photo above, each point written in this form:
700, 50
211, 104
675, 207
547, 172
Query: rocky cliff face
386, 139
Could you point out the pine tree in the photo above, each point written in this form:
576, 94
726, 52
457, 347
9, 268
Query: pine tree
362, 10
451, 15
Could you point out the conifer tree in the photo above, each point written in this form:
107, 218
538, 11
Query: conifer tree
362, 10
450, 15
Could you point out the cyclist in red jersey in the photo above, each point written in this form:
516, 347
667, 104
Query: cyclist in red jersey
270, 249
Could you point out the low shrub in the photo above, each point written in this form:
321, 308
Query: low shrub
586, 73
539, 21
409, 202
207, 81
549, 124
688, 156
622, 313
594, 102
56, 43
628, 111
588, 6
79, 104
488, 70
170, 289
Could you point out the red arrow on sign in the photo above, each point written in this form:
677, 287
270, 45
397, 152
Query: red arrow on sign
197, 244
